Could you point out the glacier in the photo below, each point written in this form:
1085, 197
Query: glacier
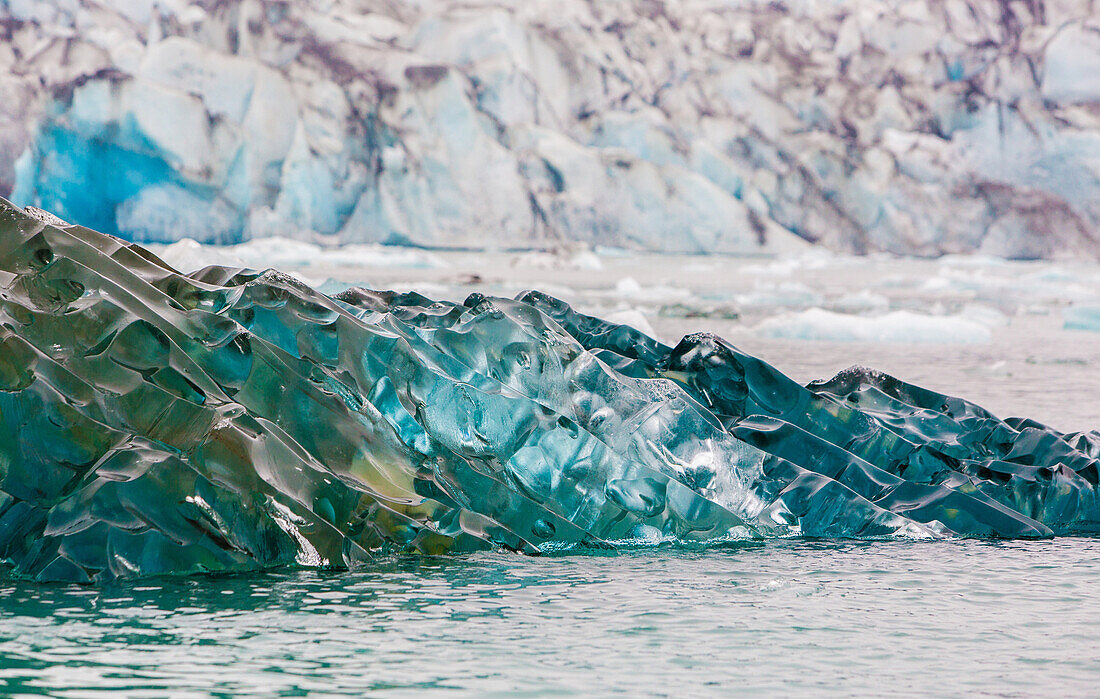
927, 127
232, 419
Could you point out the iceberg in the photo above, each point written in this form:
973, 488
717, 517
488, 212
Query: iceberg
232, 419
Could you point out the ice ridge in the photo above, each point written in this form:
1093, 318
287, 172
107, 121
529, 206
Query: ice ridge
231, 419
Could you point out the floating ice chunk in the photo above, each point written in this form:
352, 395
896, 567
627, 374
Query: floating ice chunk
628, 286
999, 369
306, 279
782, 267
613, 251
863, 301
1009, 284
280, 253
895, 327
634, 318
188, 255
785, 294
382, 256
812, 259
972, 260
566, 258
985, 315
286, 253
331, 287
1082, 318
513, 288
630, 289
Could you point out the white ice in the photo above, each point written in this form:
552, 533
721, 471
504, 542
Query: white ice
818, 324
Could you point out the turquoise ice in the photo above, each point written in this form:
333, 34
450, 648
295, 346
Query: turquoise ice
230, 419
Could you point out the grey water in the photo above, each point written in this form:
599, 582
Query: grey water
801, 617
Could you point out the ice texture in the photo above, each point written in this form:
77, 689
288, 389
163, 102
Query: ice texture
1082, 318
924, 127
232, 419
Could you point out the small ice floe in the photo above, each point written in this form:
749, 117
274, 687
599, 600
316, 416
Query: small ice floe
894, 327
862, 301
634, 318
630, 289
1082, 318
782, 295
1010, 285
811, 259
188, 255
999, 368
285, 252
570, 257
513, 289
628, 286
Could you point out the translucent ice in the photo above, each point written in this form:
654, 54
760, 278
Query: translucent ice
229, 419
1082, 318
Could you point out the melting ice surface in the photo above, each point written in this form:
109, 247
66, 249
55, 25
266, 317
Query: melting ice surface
230, 419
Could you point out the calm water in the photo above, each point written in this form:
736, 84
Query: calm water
782, 617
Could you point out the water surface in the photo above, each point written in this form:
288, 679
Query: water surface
780, 617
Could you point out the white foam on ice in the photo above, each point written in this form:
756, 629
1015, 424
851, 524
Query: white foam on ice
1082, 318
633, 317
285, 253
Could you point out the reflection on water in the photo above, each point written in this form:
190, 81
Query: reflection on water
780, 617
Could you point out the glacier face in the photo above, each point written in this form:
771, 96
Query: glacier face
229, 419
925, 127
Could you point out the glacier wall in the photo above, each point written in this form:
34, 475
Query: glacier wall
922, 127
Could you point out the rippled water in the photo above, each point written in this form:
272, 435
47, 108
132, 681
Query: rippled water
781, 617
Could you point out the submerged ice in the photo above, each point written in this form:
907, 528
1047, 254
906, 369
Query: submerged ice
231, 419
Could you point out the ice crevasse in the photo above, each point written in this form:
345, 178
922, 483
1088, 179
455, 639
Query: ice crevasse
231, 419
